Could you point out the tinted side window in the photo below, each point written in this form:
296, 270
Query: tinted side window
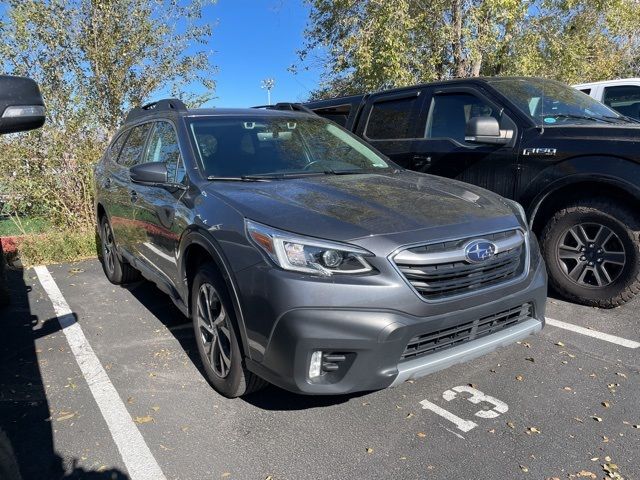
163, 147
624, 98
116, 146
449, 114
393, 119
132, 150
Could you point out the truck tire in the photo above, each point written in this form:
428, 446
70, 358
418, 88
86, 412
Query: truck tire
592, 251
216, 333
117, 270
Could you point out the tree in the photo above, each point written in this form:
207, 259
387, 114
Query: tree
94, 60
366, 45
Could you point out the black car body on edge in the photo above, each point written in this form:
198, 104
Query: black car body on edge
573, 163
306, 258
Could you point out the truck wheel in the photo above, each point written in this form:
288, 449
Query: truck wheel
592, 250
117, 271
216, 335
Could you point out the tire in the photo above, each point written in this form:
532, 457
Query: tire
217, 336
592, 251
117, 270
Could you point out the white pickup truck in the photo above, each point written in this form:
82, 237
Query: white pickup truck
622, 95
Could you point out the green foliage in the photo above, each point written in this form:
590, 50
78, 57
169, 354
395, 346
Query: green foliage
23, 226
58, 247
366, 45
94, 60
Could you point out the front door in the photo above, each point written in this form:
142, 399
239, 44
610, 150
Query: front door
158, 209
442, 149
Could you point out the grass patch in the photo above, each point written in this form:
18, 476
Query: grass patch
9, 228
57, 247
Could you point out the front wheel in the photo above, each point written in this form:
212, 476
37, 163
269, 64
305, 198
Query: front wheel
216, 336
592, 251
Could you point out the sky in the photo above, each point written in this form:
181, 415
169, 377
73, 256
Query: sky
253, 40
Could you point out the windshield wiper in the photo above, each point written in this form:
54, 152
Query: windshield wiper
243, 178
331, 171
578, 117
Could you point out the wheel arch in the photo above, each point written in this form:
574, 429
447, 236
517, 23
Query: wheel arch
563, 192
197, 247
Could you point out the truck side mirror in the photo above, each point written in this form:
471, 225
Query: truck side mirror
21, 105
486, 130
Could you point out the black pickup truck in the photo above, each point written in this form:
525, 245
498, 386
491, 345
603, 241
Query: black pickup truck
572, 162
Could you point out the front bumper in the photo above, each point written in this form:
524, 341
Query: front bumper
372, 341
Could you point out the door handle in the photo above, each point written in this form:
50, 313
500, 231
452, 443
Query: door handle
106, 183
134, 196
421, 162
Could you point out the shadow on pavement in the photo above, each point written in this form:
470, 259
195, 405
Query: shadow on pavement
26, 437
271, 398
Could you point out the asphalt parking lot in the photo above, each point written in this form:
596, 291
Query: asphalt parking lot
562, 404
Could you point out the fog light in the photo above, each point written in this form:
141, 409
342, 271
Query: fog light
315, 366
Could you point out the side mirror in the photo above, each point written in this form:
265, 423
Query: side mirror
152, 172
21, 105
486, 130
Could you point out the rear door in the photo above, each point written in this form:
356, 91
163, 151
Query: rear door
441, 148
156, 205
389, 123
123, 222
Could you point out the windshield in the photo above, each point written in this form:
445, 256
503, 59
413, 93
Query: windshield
235, 147
549, 102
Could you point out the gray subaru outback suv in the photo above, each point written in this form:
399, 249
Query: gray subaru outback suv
307, 259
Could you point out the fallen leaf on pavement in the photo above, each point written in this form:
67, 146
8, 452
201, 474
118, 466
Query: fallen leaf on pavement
145, 419
511, 425
524, 469
532, 430
597, 419
560, 344
421, 434
586, 474
519, 378
409, 415
155, 409
567, 389
369, 450
606, 404
225, 474
66, 416
530, 359
620, 374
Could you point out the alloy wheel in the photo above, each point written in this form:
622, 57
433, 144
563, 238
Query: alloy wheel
591, 255
108, 248
214, 329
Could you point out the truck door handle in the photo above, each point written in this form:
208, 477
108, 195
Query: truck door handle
134, 196
106, 183
421, 162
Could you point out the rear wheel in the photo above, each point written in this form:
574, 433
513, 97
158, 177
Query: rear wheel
117, 270
592, 250
216, 336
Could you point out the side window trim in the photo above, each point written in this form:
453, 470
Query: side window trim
390, 98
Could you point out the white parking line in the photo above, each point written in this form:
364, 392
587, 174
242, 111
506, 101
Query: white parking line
623, 342
135, 453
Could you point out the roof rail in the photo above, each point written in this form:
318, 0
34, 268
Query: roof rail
167, 104
295, 107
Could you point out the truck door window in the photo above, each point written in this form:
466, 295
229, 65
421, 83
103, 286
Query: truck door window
449, 114
132, 150
393, 119
163, 147
623, 98
339, 114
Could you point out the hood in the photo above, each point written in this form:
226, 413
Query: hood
345, 207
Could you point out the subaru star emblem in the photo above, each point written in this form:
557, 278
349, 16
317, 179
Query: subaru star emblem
479, 251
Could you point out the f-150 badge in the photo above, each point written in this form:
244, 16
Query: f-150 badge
544, 152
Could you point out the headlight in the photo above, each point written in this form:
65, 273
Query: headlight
308, 255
